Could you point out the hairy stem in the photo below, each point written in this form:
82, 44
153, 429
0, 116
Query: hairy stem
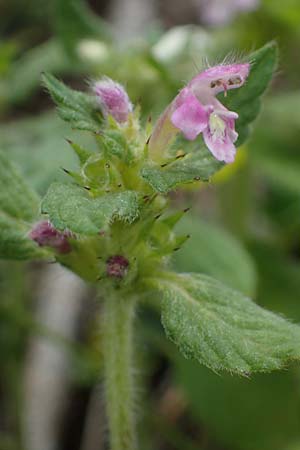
118, 360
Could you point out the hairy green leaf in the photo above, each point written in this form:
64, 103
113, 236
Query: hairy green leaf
14, 243
17, 199
223, 329
71, 207
78, 108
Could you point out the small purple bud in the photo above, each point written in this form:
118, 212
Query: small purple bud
45, 235
117, 266
113, 99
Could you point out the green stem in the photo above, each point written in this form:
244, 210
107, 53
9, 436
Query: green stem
118, 359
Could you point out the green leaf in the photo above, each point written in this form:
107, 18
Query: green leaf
71, 207
215, 252
14, 243
246, 100
239, 413
195, 166
17, 199
223, 329
78, 108
46, 151
48, 56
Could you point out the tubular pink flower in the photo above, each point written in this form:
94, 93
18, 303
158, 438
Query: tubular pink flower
196, 110
113, 99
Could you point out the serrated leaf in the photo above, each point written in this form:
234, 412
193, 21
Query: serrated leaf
71, 207
195, 166
246, 100
223, 329
78, 108
14, 242
17, 199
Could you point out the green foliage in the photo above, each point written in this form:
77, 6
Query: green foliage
246, 100
78, 108
18, 204
23, 77
17, 199
71, 207
223, 329
37, 145
261, 413
215, 252
196, 166
73, 20
14, 243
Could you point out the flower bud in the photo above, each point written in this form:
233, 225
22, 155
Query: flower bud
45, 235
113, 99
117, 266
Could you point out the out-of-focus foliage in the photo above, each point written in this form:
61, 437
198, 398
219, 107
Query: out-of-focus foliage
214, 251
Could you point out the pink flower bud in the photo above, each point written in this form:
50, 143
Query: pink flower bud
117, 266
113, 99
45, 235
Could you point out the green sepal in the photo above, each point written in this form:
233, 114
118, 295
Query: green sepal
71, 207
199, 165
82, 153
112, 143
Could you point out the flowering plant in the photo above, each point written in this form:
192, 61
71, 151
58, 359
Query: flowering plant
112, 226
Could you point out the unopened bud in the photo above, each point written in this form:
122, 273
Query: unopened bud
45, 235
117, 266
113, 99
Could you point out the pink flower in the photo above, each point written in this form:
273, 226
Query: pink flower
113, 99
45, 235
196, 110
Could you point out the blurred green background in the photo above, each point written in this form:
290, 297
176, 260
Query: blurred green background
244, 226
